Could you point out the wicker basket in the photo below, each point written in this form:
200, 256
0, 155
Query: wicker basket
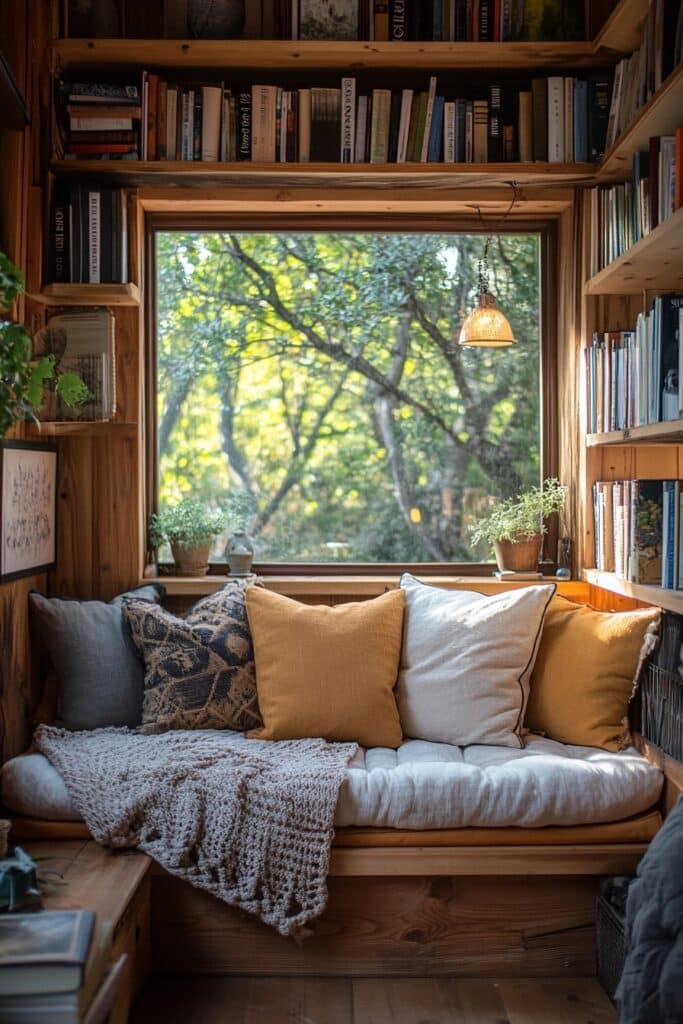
611, 936
662, 710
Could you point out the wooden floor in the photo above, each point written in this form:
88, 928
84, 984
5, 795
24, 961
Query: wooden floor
217, 1000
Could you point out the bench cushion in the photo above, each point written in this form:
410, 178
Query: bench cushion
426, 785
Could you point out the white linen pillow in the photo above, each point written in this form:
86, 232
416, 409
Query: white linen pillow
466, 662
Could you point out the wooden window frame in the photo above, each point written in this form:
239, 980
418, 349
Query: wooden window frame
545, 228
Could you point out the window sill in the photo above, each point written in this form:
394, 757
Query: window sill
353, 586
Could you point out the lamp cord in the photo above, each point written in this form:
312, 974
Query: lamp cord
483, 271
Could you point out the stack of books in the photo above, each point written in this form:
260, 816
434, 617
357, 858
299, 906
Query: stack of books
559, 119
633, 377
102, 121
623, 214
637, 530
88, 240
51, 965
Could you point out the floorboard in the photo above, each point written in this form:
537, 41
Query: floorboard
209, 999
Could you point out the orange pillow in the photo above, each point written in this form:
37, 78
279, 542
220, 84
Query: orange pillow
327, 671
586, 672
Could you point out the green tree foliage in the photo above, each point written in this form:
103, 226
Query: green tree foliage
320, 373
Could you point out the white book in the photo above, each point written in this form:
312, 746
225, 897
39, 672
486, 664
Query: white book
348, 120
263, 100
569, 120
211, 122
428, 120
284, 113
94, 237
556, 120
171, 122
361, 129
404, 126
101, 124
449, 153
304, 125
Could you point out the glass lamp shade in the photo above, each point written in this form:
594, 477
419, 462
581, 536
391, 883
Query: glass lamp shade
486, 326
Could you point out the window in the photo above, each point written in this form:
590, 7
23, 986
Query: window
318, 373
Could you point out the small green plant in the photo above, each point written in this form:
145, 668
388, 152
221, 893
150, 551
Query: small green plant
22, 378
189, 523
522, 516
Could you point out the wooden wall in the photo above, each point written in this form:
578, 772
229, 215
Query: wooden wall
19, 167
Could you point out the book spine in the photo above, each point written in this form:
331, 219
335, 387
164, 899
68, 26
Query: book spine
100, 124
60, 237
304, 126
524, 123
429, 114
381, 20
485, 21
435, 150
244, 136
197, 125
599, 95
348, 122
555, 120
398, 25
152, 111
539, 100
186, 130
379, 140
480, 132
449, 147
361, 129
495, 127
580, 121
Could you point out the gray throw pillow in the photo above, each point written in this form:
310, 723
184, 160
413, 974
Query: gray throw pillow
98, 671
199, 671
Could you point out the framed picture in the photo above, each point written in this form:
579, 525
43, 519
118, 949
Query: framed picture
28, 508
328, 19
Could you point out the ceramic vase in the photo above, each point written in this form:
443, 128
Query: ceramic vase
240, 552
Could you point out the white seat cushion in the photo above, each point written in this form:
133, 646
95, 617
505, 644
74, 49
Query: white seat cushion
425, 785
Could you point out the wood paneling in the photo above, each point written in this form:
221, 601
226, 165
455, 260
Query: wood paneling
511, 926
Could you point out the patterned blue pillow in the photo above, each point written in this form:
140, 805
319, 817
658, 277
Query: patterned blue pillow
199, 671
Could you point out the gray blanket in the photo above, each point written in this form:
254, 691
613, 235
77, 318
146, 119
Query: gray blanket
248, 820
651, 988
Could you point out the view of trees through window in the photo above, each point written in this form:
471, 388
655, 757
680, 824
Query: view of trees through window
320, 373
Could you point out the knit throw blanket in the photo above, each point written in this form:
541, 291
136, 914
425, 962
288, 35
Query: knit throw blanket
250, 821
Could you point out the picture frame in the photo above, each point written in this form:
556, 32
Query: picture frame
28, 509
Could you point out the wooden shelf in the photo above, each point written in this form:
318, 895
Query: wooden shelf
672, 600
655, 262
188, 173
670, 432
89, 295
623, 30
221, 54
661, 116
81, 428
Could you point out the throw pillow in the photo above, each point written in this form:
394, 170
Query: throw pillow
99, 675
466, 662
327, 671
199, 671
586, 672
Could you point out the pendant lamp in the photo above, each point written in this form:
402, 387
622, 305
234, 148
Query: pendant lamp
486, 326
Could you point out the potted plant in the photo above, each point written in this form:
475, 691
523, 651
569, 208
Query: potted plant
189, 527
516, 526
22, 378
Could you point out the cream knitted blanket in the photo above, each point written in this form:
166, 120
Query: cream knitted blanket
250, 821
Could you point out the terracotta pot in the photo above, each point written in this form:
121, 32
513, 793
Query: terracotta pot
519, 555
191, 561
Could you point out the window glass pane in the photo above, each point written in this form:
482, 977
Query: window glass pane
320, 373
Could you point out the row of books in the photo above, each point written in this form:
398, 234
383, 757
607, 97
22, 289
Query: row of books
560, 119
637, 530
633, 377
623, 214
638, 77
437, 20
81, 341
88, 241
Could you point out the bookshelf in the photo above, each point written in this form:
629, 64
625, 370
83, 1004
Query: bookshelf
88, 295
672, 600
668, 432
622, 32
284, 54
81, 428
653, 263
659, 116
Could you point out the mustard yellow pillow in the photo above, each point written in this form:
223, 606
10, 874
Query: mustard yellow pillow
327, 671
585, 673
